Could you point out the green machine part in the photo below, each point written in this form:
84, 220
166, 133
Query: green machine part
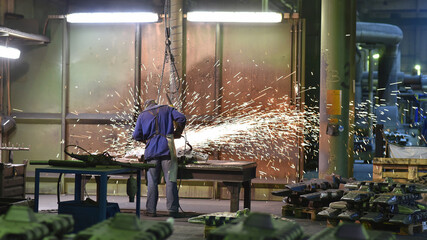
125, 226
380, 202
20, 222
351, 231
257, 226
218, 218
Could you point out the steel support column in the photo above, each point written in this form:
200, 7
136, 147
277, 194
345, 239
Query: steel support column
65, 81
178, 50
137, 79
338, 42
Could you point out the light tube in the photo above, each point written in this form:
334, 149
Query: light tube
237, 17
8, 52
114, 17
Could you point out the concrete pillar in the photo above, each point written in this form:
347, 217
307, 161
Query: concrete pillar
337, 76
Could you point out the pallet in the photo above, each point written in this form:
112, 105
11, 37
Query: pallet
301, 212
399, 169
400, 229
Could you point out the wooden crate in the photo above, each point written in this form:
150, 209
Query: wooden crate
400, 169
12, 180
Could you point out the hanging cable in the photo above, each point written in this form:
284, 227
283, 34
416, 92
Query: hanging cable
168, 55
167, 42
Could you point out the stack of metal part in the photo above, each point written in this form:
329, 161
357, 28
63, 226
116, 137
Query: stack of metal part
258, 226
126, 226
312, 193
379, 203
20, 222
262, 226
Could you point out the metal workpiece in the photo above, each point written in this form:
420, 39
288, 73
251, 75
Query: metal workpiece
219, 218
20, 222
127, 226
312, 193
385, 202
258, 226
338, 47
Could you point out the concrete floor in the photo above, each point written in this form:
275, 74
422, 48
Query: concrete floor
193, 207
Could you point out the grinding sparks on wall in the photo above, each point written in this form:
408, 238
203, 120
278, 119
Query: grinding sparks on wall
270, 130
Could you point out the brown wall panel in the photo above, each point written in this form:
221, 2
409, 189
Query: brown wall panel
97, 137
257, 73
152, 55
200, 69
255, 57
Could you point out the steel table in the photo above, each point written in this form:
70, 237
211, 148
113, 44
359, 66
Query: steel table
103, 173
234, 175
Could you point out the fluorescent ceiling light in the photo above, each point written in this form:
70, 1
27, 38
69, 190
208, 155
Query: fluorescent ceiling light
238, 17
8, 52
116, 17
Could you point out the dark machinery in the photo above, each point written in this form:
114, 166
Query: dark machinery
20, 222
352, 231
312, 193
380, 202
258, 226
126, 226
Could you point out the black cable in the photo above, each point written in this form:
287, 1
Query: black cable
76, 146
167, 42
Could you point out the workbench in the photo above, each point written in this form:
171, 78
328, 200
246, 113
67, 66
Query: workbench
103, 173
234, 175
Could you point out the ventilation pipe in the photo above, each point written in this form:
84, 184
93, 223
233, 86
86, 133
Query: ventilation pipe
389, 63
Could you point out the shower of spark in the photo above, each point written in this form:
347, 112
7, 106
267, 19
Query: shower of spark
270, 132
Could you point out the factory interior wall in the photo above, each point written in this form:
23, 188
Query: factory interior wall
257, 68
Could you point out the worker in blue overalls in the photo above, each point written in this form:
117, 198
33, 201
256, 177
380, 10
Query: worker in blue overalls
155, 127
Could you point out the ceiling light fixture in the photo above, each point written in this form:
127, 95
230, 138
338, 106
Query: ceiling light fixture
236, 17
8, 52
114, 17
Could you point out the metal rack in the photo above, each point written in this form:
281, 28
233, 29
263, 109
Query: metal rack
22, 38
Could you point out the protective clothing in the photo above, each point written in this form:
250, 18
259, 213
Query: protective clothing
155, 127
152, 127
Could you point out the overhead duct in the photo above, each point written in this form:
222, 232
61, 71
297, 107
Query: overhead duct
378, 33
389, 63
